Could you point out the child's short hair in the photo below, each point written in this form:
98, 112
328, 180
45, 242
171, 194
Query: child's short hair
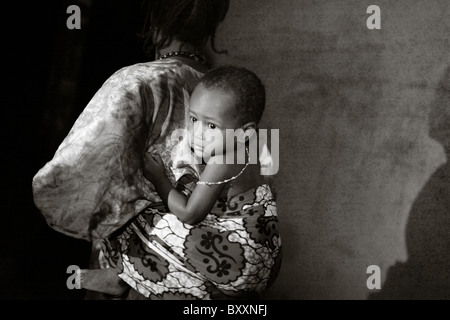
249, 91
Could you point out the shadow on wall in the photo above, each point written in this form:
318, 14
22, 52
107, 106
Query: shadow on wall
426, 273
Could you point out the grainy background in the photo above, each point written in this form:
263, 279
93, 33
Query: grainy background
363, 118
353, 107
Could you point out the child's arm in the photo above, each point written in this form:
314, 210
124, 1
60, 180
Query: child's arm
195, 208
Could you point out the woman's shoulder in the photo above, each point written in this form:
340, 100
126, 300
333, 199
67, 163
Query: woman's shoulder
155, 72
159, 77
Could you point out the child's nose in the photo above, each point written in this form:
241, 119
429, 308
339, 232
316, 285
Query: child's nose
198, 130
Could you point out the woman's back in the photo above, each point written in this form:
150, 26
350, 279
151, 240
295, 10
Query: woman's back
93, 184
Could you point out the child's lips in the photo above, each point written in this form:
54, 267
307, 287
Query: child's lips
197, 147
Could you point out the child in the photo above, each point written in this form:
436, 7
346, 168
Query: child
219, 242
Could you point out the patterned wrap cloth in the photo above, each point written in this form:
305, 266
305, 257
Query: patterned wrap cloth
234, 253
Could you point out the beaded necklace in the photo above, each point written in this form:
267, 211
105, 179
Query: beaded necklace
186, 54
230, 179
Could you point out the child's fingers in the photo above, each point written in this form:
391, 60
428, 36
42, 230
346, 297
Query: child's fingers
149, 157
153, 159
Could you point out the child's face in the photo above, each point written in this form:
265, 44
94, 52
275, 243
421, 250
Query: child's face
211, 112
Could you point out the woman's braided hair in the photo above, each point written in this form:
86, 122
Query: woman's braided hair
189, 21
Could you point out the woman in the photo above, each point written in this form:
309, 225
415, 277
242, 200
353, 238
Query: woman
94, 184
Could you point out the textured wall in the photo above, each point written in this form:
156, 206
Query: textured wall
352, 106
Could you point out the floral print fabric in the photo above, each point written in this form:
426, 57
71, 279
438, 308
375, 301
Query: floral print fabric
235, 252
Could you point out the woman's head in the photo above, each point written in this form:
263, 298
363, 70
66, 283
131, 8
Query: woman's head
189, 21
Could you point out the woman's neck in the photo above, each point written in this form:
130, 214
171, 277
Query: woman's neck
176, 46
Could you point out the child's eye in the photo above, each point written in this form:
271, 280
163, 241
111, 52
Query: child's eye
211, 125
193, 119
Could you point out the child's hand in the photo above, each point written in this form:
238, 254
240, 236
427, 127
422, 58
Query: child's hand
153, 167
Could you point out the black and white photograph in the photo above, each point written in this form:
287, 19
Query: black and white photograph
233, 150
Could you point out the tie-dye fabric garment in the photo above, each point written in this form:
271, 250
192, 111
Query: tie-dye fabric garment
94, 183
234, 253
